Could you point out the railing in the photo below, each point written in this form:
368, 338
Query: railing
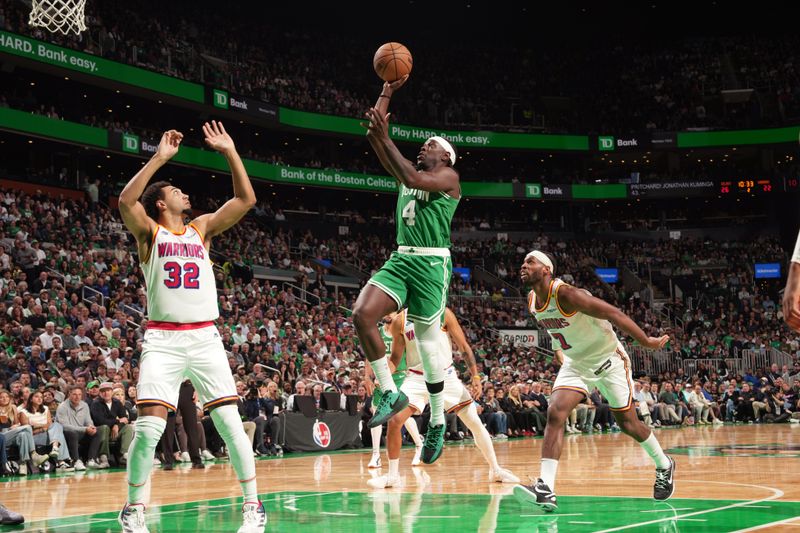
765, 357
300, 293
652, 362
500, 281
101, 301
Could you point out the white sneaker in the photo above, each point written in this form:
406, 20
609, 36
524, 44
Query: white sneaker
207, 455
91, 464
131, 518
79, 466
104, 462
39, 459
64, 466
501, 436
717, 422
375, 462
417, 460
384, 482
124, 458
502, 475
254, 518
54, 449
185, 457
156, 461
23, 469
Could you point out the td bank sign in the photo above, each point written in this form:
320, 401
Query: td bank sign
608, 143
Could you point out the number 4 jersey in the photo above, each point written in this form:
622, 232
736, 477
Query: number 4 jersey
583, 339
179, 278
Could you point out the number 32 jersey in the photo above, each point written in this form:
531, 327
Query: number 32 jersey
584, 339
179, 278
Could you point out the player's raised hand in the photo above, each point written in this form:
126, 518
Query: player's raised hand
656, 343
217, 138
378, 125
389, 88
168, 146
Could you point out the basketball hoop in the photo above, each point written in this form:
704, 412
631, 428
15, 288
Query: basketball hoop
64, 16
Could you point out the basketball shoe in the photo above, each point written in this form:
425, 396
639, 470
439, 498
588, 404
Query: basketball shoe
131, 518
375, 462
391, 403
665, 482
254, 518
538, 493
384, 482
501, 475
434, 443
416, 461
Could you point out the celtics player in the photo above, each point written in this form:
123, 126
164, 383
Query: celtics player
457, 398
398, 375
417, 274
581, 327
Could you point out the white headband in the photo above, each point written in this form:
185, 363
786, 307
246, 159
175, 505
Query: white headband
542, 258
445, 144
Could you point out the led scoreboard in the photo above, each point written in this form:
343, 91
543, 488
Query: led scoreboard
746, 186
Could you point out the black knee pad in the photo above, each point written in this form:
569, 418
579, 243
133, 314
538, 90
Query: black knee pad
435, 388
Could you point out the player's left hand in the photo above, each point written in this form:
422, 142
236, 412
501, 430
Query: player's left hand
656, 343
476, 388
217, 138
378, 125
390, 87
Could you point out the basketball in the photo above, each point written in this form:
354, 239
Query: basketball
392, 61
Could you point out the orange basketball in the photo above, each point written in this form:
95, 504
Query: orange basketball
392, 61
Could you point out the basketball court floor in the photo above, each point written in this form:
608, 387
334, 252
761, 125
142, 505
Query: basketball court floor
729, 478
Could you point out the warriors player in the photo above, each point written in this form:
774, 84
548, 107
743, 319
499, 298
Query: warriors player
457, 399
581, 325
398, 375
181, 340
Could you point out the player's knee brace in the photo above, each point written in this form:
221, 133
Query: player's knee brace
434, 388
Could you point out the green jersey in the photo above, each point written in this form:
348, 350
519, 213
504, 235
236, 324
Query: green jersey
424, 217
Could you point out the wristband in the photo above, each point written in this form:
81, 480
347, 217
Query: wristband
796, 255
383, 96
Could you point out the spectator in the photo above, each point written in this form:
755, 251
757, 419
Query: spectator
80, 431
45, 431
108, 411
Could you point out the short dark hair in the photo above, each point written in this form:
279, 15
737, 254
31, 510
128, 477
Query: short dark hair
153, 193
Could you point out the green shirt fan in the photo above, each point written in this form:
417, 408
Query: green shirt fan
63, 16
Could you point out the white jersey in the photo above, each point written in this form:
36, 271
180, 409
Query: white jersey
584, 339
179, 278
413, 357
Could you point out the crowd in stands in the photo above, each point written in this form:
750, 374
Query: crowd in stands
72, 308
663, 86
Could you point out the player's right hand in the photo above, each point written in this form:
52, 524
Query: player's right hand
370, 386
169, 144
389, 88
656, 343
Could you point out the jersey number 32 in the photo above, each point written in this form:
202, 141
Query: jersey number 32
186, 275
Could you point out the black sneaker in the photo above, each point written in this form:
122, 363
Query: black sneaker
390, 404
665, 482
434, 443
538, 493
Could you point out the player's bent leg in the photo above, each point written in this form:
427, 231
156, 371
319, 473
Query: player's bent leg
542, 492
229, 426
149, 427
469, 415
413, 431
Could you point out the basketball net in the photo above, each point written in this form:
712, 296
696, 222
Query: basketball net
64, 16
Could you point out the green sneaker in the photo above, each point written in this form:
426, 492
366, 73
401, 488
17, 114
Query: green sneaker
434, 444
390, 404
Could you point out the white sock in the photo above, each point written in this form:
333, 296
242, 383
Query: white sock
376, 439
394, 467
437, 408
147, 432
482, 439
431, 341
229, 426
413, 430
381, 369
653, 449
548, 473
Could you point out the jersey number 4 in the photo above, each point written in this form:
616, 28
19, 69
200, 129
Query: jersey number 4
409, 212
186, 275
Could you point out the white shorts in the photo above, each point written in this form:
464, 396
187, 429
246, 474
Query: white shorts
170, 357
456, 395
612, 377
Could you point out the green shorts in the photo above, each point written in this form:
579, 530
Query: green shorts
419, 282
397, 377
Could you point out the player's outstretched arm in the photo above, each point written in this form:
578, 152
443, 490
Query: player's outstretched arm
131, 209
571, 299
244, 197
457, 334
